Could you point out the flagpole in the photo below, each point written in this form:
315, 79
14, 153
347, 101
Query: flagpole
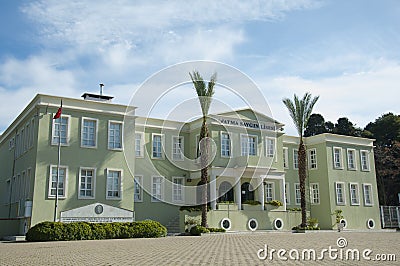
58, 168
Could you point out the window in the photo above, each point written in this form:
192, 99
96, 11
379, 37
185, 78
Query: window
354, 196
177, 148
60, 130
156, 188
367, 194
139, 144
364, 160
297, 193
114, 135
157, 146
114, 184
22, 140
177, 191
249, 145
287, 193
27, 144
314, 193
89, 132
285, 157
225, 145
32, 136
337, 158
312, 156
340, 195
86, 183
269, 191
11, 143
138, 191
270, 147
295, 159
62, 180
351, 159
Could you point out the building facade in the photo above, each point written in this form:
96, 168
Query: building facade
119, 167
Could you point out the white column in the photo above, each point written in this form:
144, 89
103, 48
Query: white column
238, 194
261, 196
213, 191
282, 181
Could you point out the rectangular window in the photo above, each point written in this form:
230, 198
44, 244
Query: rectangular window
340, 194
32, 135
114, 184
157, 146
295, 159
22, 141
89, 132
177, 148
156, 188
269, 192
297, 193
285, 157
27, 136
314, 193
177, 191
351, 159
225, 145
87, 182
139, 144
354, 194
114, 135
61, 181
367, 194
364, 160
270, 145
337, 158
312, 157
138, 191
287, 193
249, 145
60, 130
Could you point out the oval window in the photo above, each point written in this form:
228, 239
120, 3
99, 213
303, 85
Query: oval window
278, 224
370, 223
252, 224
344, 223
226, 224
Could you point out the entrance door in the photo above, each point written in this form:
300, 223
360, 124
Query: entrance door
225, 192
247, 192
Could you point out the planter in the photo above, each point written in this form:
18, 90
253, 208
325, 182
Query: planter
248, 207
226, 206
269, 207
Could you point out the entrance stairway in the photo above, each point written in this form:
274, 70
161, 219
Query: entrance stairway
173, 226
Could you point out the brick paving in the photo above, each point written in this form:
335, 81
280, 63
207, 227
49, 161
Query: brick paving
215, 249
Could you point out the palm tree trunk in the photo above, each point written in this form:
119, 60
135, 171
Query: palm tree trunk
204, 170
302, 179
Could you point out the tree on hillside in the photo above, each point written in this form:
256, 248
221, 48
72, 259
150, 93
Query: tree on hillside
344, 127
300, 110
205, 94
385, 129
316, 125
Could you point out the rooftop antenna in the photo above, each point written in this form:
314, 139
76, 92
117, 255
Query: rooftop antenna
101, 88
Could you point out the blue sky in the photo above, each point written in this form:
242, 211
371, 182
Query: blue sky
347, 52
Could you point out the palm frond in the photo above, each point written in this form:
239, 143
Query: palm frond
204, 94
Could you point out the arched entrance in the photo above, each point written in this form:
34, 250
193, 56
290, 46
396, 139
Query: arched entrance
247, 192
225, 192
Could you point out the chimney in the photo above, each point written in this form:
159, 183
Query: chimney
97, 97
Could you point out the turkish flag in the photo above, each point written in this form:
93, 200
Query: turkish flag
58, 114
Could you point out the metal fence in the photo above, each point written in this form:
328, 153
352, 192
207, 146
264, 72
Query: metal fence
390, 216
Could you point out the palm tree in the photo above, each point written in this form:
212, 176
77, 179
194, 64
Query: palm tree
300, 110
205, 97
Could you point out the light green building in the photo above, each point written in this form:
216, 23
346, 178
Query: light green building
119, 167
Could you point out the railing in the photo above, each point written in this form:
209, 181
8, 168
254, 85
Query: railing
390, 216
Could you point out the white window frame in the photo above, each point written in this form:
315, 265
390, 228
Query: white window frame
340, 166
53, 135
371, 203
315, 201
287, 193
121, 135
175, 188
93, 183
367, 161
161, 196
272, 191
177, 156
229, 145
353, 151
343, 187
297, 200
141, 144
295, 159
96, 121
311, 159
32, 136
27, 136
246, 145
285, 157
268, 147
138, 179
63, 196
162, 145
357, 194
120, 183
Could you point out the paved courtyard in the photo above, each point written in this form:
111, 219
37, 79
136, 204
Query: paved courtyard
217, 249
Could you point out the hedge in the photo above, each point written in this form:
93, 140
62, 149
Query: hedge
198, 230
56, 231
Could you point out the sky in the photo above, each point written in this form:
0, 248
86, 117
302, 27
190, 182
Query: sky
346, 52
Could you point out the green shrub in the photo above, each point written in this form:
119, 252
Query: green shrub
216, 230
195, 208
198, 230
55, 231
294, 209
275, 203
252, 202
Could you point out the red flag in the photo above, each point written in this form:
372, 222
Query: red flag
58, 114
